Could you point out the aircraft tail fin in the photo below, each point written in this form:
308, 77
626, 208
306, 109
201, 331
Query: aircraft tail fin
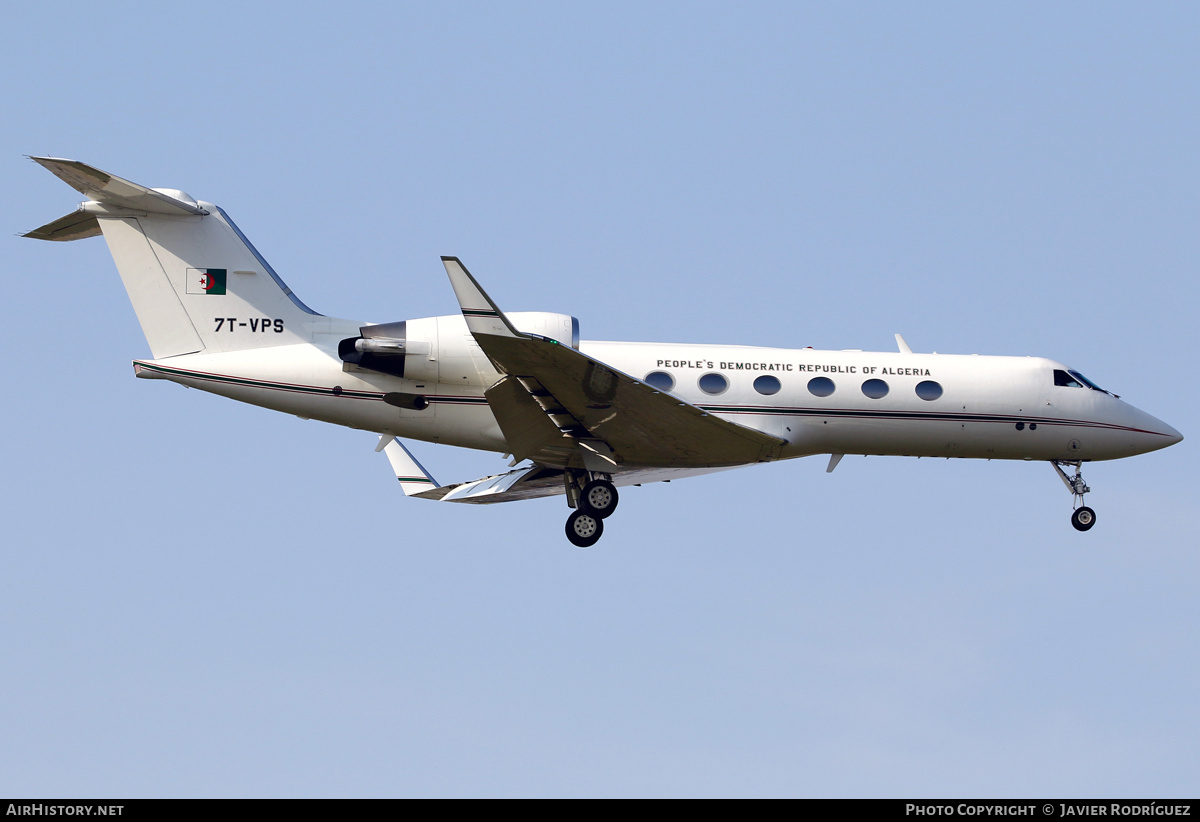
195, 281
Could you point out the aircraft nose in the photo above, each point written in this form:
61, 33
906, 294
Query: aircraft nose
1161, 434
1171, 434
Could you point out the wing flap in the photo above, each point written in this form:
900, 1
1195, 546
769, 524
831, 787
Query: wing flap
523, 483
529, 432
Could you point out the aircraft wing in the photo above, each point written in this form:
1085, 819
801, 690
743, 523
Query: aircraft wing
523, 483
560, 407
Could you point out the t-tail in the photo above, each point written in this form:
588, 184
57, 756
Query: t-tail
195, 281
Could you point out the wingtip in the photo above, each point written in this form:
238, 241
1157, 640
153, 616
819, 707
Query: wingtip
46, 161
482, 314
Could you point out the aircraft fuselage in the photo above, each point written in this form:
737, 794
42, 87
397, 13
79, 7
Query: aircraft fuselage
820, 402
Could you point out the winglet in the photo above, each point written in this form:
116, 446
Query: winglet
902, 345
414, 479
481, 314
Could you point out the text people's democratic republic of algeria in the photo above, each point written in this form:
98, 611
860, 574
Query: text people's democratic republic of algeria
812, 368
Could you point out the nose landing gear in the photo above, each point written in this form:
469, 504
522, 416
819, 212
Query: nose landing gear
594, 498
1082, 518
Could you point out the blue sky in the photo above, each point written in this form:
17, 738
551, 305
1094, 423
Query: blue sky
203, 598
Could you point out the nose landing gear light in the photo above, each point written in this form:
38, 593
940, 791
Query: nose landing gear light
1082, 518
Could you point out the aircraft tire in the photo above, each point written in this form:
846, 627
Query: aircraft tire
1083, 518
599, 498
584, 529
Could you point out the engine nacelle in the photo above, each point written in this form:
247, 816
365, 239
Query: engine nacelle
561, 327
441, 349
380, 348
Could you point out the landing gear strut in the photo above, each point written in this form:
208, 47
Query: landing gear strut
594, 498
1083, 517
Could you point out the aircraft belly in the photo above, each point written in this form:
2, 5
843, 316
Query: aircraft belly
948, 438
308, 387
462, 426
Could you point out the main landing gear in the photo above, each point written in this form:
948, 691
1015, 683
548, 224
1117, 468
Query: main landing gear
1083, 518
594, 498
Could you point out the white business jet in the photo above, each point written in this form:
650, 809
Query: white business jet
578, 418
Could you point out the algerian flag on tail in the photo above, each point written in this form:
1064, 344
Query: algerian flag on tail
206, 281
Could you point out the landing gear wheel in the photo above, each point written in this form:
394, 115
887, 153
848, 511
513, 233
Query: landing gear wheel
584, 529
599, 498
1083, 518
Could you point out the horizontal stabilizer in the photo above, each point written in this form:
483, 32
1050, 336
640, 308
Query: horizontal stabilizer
77, 225
113, 191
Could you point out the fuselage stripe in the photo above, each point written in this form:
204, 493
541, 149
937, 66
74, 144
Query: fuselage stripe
300, 388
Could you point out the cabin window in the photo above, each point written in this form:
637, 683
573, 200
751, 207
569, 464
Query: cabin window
713, 384
821, 386
766, 384
875, 389
929, 390
660, 380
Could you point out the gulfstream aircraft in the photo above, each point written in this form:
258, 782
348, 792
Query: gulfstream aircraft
578, 418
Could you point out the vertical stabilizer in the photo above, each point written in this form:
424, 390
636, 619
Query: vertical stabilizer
195, 281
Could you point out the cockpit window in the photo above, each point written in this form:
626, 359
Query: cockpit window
1073, 379
1086, 381
1064, 379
